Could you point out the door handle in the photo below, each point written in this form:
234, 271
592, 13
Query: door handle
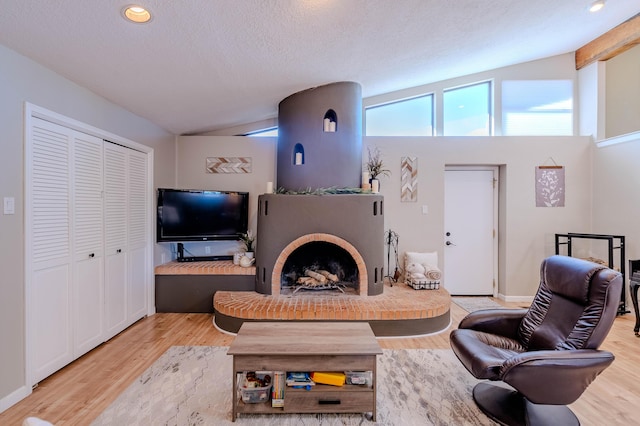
449, 243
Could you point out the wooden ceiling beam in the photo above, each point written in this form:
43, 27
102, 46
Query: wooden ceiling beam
612, 43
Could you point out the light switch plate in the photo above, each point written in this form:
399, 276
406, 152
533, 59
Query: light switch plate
425, 209
9, 205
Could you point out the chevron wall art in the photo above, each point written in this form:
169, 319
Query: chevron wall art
228, 164
409, 179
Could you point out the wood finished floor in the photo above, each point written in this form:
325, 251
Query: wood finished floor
81, 391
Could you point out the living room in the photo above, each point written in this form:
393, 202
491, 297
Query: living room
598, 200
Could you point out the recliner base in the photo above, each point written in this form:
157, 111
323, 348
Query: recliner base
509, 407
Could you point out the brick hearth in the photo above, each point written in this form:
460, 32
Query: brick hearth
399, 307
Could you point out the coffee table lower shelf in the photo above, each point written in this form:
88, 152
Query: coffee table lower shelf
320, 399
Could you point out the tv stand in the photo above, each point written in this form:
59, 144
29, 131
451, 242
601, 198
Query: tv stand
182, 258
190, 286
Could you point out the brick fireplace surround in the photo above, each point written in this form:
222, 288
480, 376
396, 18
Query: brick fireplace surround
309, 239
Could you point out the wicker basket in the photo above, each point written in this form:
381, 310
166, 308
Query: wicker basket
423, 285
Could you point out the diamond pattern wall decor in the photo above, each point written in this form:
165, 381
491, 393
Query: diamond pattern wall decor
228, 164
409, 179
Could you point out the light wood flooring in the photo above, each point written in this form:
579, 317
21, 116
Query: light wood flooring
81, 391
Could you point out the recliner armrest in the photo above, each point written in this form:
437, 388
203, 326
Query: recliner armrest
503, 322
554, 377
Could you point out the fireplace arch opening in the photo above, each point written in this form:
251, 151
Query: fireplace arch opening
336, 245
319, 265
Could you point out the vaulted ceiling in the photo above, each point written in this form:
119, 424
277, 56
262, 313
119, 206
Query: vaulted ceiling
202, 65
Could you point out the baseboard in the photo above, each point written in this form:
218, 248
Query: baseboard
14, 397
515, 299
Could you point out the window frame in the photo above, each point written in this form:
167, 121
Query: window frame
490, 106
431, 123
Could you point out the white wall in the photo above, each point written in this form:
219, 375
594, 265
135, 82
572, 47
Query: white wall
623, 93
616, 204
591, 100
22, 80
526, 231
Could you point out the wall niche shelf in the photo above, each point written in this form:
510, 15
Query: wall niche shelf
330, 122
298, 155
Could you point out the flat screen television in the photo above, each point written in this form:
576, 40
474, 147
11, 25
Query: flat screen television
201, 215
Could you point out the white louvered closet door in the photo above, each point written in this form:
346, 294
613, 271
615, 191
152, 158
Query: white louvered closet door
49, 246
88, 243
137, 236
115, 220
88, 268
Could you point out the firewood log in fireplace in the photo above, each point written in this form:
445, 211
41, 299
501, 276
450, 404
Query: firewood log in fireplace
309, 282
321, 278
331, 277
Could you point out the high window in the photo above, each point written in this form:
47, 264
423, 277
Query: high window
467, 110
271, 131
409, 117
537, 107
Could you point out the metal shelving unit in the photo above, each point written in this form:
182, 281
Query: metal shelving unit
615, 243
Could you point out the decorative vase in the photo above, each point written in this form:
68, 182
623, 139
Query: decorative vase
375, 186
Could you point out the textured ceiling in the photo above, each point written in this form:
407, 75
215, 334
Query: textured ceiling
208, 64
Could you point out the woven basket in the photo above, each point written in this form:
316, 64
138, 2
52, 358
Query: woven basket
423, 285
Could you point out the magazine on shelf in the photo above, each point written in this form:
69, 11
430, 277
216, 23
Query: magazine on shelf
299, 379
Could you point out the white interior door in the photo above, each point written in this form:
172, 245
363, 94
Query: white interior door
49, 249
115, 224
87, 212
137, 236
470, 231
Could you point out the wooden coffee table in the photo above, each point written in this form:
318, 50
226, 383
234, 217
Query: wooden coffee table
308, 346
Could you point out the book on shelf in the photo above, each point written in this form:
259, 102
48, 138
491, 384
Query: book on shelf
299, 379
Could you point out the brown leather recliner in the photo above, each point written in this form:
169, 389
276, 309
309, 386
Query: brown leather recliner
546, 355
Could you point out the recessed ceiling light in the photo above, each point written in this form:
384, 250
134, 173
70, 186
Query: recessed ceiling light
596, 5
137, 14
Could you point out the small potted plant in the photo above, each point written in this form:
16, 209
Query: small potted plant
375, 167
248, 239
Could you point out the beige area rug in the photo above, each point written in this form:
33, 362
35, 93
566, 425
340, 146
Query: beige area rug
191, 385
477, 303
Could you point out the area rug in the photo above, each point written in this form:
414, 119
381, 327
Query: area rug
471, 304
191, 385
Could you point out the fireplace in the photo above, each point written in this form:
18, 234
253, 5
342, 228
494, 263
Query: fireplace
319, 265
342, 235
327, 241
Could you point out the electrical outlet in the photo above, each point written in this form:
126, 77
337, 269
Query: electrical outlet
207, 250
9, 205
